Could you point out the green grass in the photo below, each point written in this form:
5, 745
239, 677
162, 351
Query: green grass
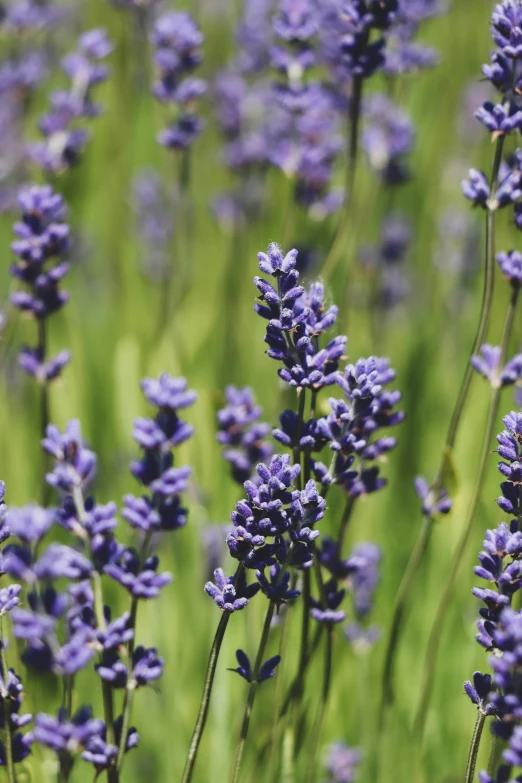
214, 338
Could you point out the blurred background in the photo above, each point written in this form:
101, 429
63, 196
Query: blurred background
182, 302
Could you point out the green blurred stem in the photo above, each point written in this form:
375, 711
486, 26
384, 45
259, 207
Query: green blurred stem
345, 519
352, 154
297, 448
44, 405
11, 777
97, 588
252, 690
417, 555
294, 687
422, 542
319, 716
440, 617
474, 747
131, 683
485, 310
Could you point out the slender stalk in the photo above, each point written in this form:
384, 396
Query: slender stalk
474, 747
293, 689
131, 683
319, 716
438, 624
9, 765
345, 519
252, 690
44, 405
352, 154
275, 733
422, 541
205, 698
305, 628
297, 448
417, 555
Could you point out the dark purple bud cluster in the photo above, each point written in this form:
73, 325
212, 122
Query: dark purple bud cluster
177, 41
242, 434
41, 244
488, 365
296, 319
63, 126
267, 670
510, 450
359, 576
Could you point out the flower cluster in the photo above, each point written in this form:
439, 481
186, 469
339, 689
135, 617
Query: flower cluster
273, 529
352, 37
403, 54
177, 41
161, 509
488, 365
242, 434
307, 141
499, 626
66, 629
11, 689
505, 117
42, 237
62, 128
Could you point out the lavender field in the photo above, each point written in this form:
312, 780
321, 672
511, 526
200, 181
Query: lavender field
261, 391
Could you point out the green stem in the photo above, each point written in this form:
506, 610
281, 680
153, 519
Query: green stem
422, 541
11, 776
275, 736
438, 624
205, 698
252, 690
319, 716
297, 448
345, 519
353, 146
305, 628
474, 747
131, 683
294, 687
416, 558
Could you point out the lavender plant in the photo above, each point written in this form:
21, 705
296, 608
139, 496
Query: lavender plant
63, 630
502, 190
274, 526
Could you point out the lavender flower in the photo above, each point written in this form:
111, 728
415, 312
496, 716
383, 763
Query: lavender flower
266, 671
388, 137
510, 264
242, 434
64, 140
231, 594
488, 366
341, 763
177, 41
42, 236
